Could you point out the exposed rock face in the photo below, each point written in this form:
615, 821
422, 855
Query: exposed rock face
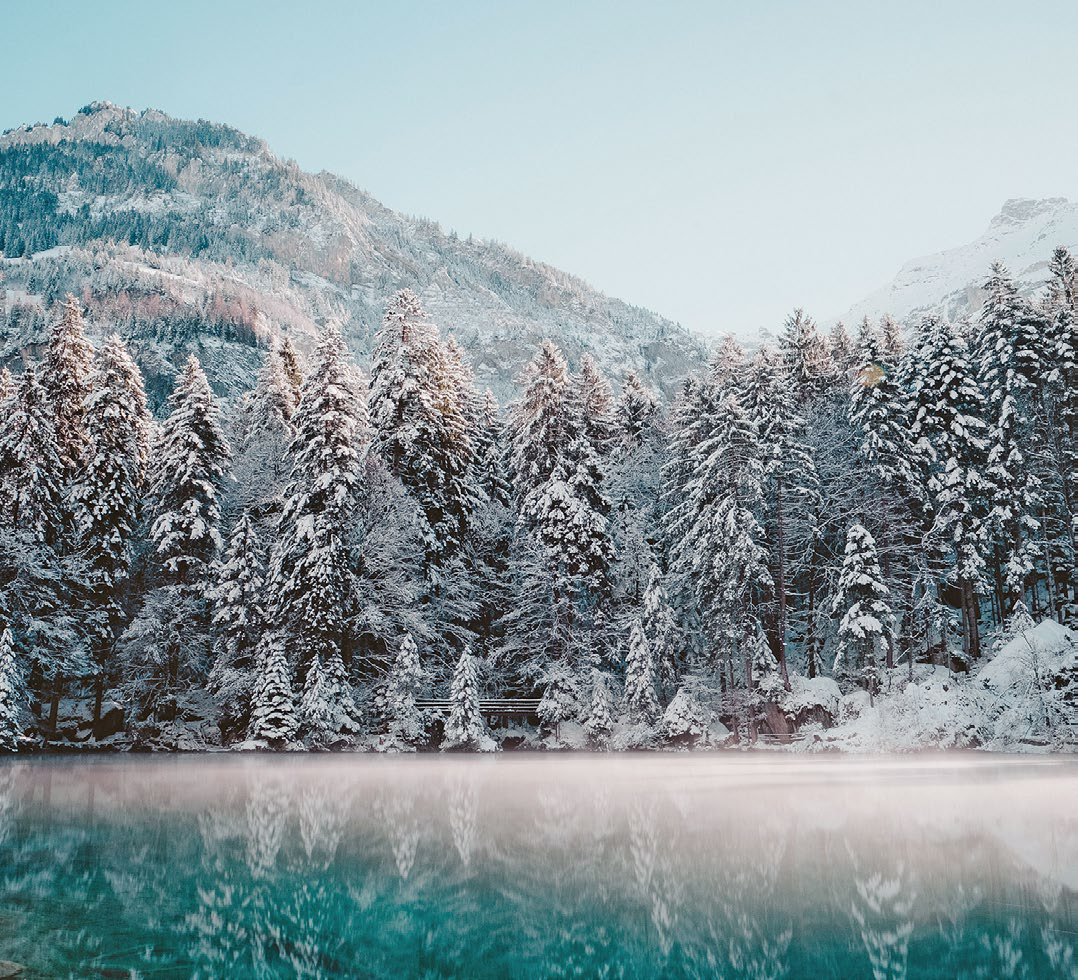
191, 236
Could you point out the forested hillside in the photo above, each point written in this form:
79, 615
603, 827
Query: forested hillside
191, 237
833, 534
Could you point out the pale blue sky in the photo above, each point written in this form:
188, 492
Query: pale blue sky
719, 162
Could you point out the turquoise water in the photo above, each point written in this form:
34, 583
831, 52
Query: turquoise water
539, 866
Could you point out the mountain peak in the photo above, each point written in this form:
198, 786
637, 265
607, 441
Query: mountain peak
1022, 236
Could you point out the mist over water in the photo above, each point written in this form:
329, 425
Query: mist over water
538, 866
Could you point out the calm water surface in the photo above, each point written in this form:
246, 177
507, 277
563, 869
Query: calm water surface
530, 866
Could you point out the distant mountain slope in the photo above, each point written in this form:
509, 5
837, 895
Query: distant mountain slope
194, 236
1022, 236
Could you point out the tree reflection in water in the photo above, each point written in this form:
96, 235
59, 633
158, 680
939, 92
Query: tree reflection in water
649, 866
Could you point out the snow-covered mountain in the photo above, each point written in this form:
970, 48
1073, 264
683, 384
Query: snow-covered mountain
194, 236
1022, 236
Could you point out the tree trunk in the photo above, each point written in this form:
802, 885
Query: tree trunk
54, 708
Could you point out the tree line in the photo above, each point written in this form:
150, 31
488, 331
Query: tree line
334, 544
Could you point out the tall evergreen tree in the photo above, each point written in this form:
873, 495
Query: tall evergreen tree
544, 423
465, 728
640, 701
190, 470
404, 721
11, 694
805, 357
867, 625
660, 631
65, 378
596, 406
637, 411
273, 715
312, 577
239, 620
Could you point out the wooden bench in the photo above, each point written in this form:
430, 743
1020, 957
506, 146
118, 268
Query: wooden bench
490, 708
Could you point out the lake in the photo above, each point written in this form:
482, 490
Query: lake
707, 865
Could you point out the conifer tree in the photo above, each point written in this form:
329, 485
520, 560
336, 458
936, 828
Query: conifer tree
31, 469
65, 379
596, 406
11, 691
948, 428
867, 622
193, 455
599, 722
239, 620
491, 453
465, 728
404, 721
638, 410
312, 576
805, 357
544, 423
660, 631
687, 719
640, 702
273, 715
842, 352
108, 496
293, 375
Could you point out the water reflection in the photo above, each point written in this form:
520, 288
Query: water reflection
539, 867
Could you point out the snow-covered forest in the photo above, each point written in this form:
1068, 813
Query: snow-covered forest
854, 538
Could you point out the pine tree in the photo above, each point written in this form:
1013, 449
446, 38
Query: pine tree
108, 496
717, 538
404, 721
273, 716
544, 423
638, 410
422, 410
239, 620
842, 352
596, 406
599, 722
687, 719
312, 577
290, 363
31, 469
465, 728
948, 429
867, 622
805, 357
660, 631
193, 455
640, 702
11, 689
1011, 363
491, 454
65, 379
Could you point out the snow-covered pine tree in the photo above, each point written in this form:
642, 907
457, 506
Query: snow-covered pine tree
465, 728
65, 379
273, 714
312, 576
660, 631
491, 453
238, 619
1010, 367
106, 500
791, 483
326, 709
31, 469
842, 352
11, 694
560, 701
716, 536
805, 357
596, 406
640, 702
637, 410
422, 410
190, 470
948, 429
544, 422
892, 343
404, 721
8, 388
294, 376
599, 722
861, 599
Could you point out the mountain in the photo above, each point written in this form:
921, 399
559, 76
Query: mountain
1022, 237
192, 236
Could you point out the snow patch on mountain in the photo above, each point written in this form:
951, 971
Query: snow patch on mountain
1022, 237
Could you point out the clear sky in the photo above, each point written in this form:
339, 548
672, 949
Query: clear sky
719, 162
